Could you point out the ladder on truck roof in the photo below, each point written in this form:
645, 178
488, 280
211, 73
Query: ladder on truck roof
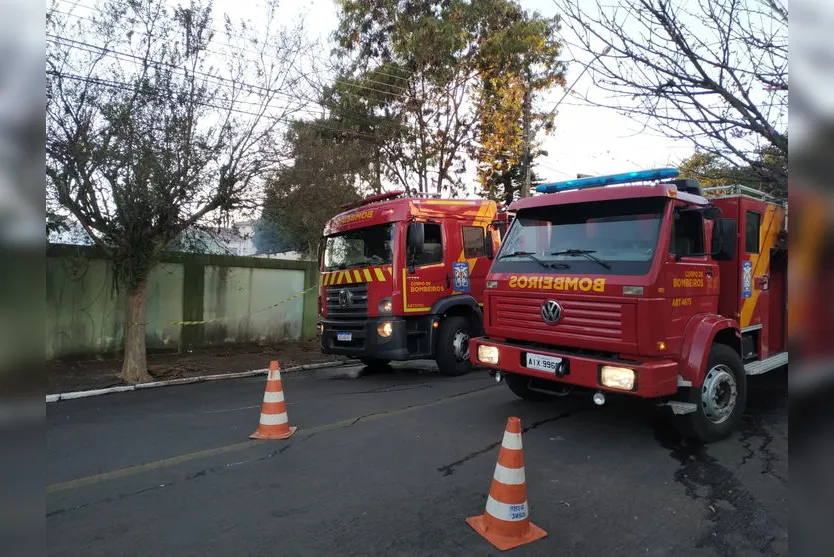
734, 190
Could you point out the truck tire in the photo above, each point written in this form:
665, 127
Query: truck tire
452, 348
374, 365
520, 386
720, 400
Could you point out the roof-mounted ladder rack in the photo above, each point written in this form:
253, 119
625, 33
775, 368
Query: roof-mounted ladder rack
738, 189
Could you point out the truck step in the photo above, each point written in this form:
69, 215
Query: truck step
769, 364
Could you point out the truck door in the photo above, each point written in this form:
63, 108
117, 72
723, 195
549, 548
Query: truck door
469, 274
760, 223
430, 279
692, 284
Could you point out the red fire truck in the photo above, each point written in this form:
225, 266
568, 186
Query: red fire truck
402, 278
643, 284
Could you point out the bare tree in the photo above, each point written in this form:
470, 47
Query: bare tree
156, 122
714, 72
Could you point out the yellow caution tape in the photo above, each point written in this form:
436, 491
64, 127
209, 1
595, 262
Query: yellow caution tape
207, 321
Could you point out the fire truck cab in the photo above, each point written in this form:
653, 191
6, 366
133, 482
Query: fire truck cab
642, 284
402, 278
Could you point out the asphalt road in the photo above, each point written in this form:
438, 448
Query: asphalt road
393, 464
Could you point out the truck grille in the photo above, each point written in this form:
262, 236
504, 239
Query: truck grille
356, 297
587, 318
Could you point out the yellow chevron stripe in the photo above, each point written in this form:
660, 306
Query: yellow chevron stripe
356, 275
379, 275
367, 273
390, 271
761, 262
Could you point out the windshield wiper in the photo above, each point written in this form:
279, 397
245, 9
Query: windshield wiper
587, 253
547, 266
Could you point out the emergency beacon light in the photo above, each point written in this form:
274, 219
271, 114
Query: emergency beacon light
610, 180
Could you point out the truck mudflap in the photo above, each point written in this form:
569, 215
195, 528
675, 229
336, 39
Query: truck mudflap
650, 379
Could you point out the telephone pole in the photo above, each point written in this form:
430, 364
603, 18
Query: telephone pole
526, 139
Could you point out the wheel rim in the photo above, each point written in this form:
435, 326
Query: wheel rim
719, 394
460, 344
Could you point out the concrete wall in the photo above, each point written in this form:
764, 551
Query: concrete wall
85, 314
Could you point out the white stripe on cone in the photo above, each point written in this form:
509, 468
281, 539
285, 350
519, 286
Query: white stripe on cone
505, 512
509, 476
274, 419
274, 397
274, 374
511, 441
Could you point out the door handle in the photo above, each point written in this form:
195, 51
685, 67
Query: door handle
763, 282
448, 281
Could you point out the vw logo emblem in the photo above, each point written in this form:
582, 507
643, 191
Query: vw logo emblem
344, 298
551, 311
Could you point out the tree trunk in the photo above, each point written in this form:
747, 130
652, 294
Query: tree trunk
135, 367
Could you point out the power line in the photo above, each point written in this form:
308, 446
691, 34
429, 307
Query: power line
129, 87
408, 75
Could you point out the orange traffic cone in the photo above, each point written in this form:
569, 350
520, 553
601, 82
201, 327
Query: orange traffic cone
274, 423
506, 523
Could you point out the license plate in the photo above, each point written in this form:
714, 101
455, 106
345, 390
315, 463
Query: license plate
543, 363
344, 337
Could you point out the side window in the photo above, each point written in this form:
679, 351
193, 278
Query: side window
432, 246
751, 234
473, 241
687, 234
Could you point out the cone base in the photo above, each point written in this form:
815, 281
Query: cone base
504, 543
284, 435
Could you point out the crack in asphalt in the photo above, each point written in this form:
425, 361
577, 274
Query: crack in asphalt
304, 436
387, 389
449, 469
733, 509
194, 475
416, 405
755, 428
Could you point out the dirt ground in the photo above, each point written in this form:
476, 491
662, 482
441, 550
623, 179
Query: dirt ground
76, 375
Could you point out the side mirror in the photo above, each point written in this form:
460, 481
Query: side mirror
488, 247
415, 238
724, 233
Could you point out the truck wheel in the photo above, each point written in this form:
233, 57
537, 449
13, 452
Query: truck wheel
520, 386
452, 355
720, 400
376, 366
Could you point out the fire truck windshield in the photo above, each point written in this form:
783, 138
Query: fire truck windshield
616, 237
361, 247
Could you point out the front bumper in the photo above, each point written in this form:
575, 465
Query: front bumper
653, 378
409, 339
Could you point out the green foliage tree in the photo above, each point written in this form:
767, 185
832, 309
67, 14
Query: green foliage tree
442, 73
148, 137
712, 170
328, 168
518, 57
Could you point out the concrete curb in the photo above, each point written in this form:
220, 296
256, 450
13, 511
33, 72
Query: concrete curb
187, 380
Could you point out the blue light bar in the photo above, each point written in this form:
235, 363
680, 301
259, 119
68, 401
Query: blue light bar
610, 179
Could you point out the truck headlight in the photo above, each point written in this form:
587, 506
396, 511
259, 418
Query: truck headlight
385, 329
385, 306
488, 354
617, 378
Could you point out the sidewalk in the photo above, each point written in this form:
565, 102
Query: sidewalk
76, 375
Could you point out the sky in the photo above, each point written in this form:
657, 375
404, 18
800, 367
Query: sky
587, 139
